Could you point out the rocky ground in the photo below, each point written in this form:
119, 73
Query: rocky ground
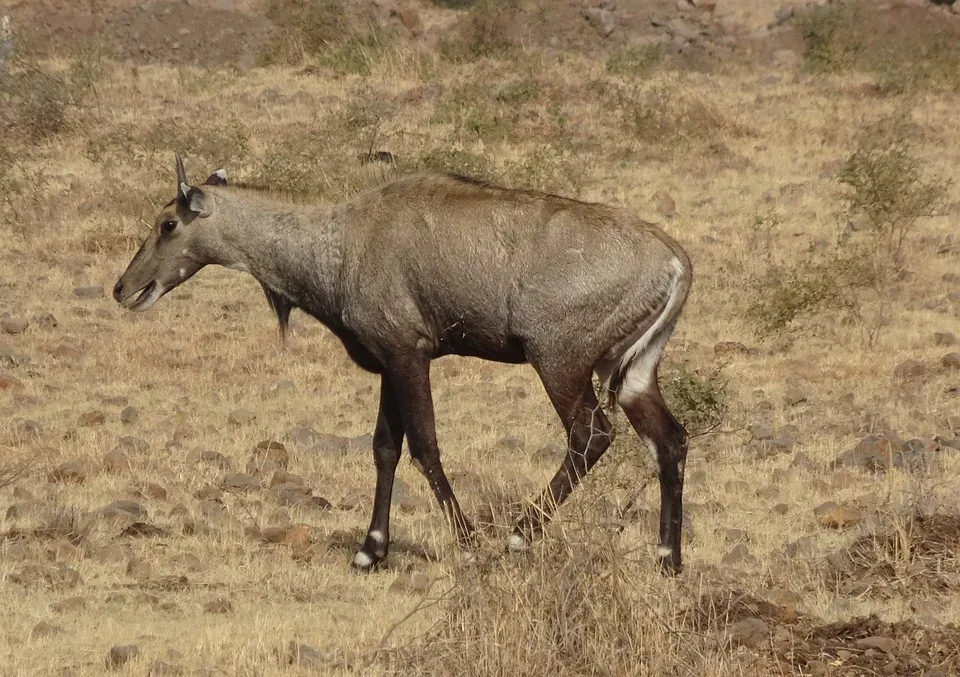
181, 494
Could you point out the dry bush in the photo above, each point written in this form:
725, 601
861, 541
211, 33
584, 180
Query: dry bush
574, 608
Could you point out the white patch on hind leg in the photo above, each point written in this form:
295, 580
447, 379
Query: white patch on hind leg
376, 536
517, 543
664, 552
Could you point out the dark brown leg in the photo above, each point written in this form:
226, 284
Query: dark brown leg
589, 433
667, 440
410, 379
387, 442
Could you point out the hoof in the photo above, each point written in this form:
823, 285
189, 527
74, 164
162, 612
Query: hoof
365, 562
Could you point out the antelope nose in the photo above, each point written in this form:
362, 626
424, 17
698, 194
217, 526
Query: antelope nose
117, 291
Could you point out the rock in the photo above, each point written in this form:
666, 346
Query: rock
116, 462
134, 445
208, 493
129, 415
238, 481
70, 471
413, 582
769, 492
794, 395
304, 656
749, 632
735, 535
950, 361
88, 419
664, 204
411, 504
731, 348
781, 445
131, 508
88, 292
783, 15
13, 325
65, 351
909, 369
550, 454
8, 382
284, 477
305, 435
781, 508
112, 554
739, 555
836, 516
119, 656
28, 428
298, 536
802, 547
268, 452
884, 644
58, 577
874, 452
273, 534
804, 462
215, 458
68, 604
944, 339
46, 321
160, 669
603, 20
241, 417
143, 530
45, 629
760, 432
154, 491
220, 605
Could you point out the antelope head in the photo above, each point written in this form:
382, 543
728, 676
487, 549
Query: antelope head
175, 249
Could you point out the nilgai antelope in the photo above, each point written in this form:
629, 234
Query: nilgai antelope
434, 265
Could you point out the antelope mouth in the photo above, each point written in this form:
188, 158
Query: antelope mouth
146, 298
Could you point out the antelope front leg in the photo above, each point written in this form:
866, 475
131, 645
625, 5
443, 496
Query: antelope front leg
387, 442
410, 378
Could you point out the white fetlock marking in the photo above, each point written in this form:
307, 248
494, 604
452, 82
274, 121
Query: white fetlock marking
376, 536
363, 560
517, 543
663, 551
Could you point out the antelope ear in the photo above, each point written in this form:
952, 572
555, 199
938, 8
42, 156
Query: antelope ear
197, 201
218, 178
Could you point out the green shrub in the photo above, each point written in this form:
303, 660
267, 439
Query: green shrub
698, 402
635, 60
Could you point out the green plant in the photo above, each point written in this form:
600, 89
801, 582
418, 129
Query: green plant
699, 402
635, 60
518, 93
830, 39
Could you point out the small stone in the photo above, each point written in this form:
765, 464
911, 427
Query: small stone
70, 471
305, 435
944, 339
69, 604
119, 656
208, 493
739, 555
238, 481
749, 632
240, 417
816, 668
65, 351
13, 325
216, 458
46, 321
731, 348
550, 454
268, 452
159, 668
45, 629
802, 547
411, 504
298, 536
794, 396
303, 656
760, 432
88, 292
116, 462
273, 534
413, 582
130, 415
154, 491
218, 606
735, 535
950, 361
768, 492
884, 644
781, 508
127, 506
909, 369
88, 419
112, 554
804, 462
836, 516
603, 20
8, 382
137, 568
664, 204
283, 477
65, 551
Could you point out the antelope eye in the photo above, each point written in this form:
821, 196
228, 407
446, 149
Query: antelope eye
168, 227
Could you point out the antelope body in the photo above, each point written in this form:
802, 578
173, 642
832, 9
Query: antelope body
436, 265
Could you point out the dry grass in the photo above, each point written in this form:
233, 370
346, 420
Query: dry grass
731, 149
